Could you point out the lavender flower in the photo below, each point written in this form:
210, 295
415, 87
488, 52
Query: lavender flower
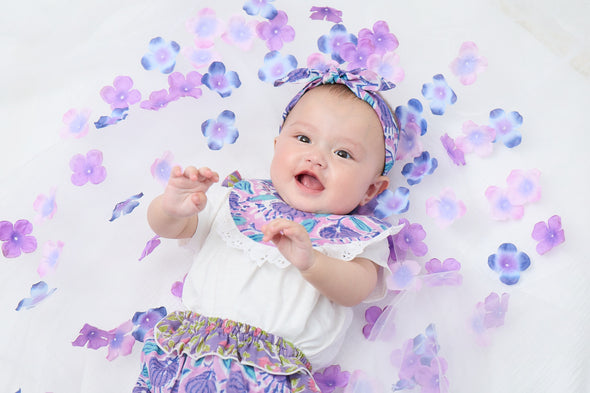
17, 238
548, 235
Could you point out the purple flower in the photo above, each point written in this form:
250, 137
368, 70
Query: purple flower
145, 321
327, 13
387, 66
357, 55
177, 288
51, 253
260, 7
500, 205
16, 238
276, 66
92, 337
443, 273
217, 79
409, 238
181, 86
87, 168
39, 292
446, 208
331, 378
121, 342
409, 144
412, 114
150, 246
478, 139
509, 262
404, 276
548, 235
439, 94
120, 95
276, 31
45, 205
495, 310
161, 55
158, 99
523, 186
381, 39
376, 318
431, 378
332, 43
506, 126
468, 64
220, 131
206, 27
162, 167
240, 32
457, 155
126, 207
76, 123
422, 166
116, 116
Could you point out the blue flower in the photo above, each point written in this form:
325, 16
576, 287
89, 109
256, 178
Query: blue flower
116, 116
220, 81
422, 166
220, 131
332, 43
509, 262
126, 207
162, 55
389, 202
439, 94
506, 126
262, 7
276, 66
145, 321
39, 292
411, 114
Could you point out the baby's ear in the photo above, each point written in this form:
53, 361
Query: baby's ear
377, 187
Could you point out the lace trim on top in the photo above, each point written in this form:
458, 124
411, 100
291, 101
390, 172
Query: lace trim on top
253, 203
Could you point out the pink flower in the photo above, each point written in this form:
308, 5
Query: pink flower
120, 341
478, 139
468, 64
88, 168
548, 235
76, 123
403, 276
45, 205
523, 186
446, 208
318, 61
276, 31
120, 95
387, 66
201, 56
51, 253
500, 205
162, 167
409, 142
206, 27
240, 32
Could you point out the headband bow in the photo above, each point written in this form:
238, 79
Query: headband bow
364, 84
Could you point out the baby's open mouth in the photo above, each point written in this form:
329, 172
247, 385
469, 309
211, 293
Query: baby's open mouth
309, 181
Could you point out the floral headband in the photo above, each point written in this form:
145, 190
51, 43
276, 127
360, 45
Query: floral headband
364, 84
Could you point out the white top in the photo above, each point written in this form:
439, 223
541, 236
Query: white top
236, 278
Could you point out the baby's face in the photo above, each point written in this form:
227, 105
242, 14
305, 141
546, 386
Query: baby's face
329, 155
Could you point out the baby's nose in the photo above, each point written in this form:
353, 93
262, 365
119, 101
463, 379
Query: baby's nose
316, 158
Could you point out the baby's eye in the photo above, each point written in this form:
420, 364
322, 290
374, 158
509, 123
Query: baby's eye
303, 138
343, 154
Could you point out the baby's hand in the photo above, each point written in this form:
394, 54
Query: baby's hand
292, 240
184, 195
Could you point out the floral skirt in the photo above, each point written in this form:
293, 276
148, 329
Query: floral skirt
191, 353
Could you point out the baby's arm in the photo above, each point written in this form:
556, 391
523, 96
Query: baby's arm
344, 282
174, 213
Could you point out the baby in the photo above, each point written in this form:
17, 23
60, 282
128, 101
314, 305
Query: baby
280, 262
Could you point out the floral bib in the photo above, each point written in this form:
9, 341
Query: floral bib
253, 203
